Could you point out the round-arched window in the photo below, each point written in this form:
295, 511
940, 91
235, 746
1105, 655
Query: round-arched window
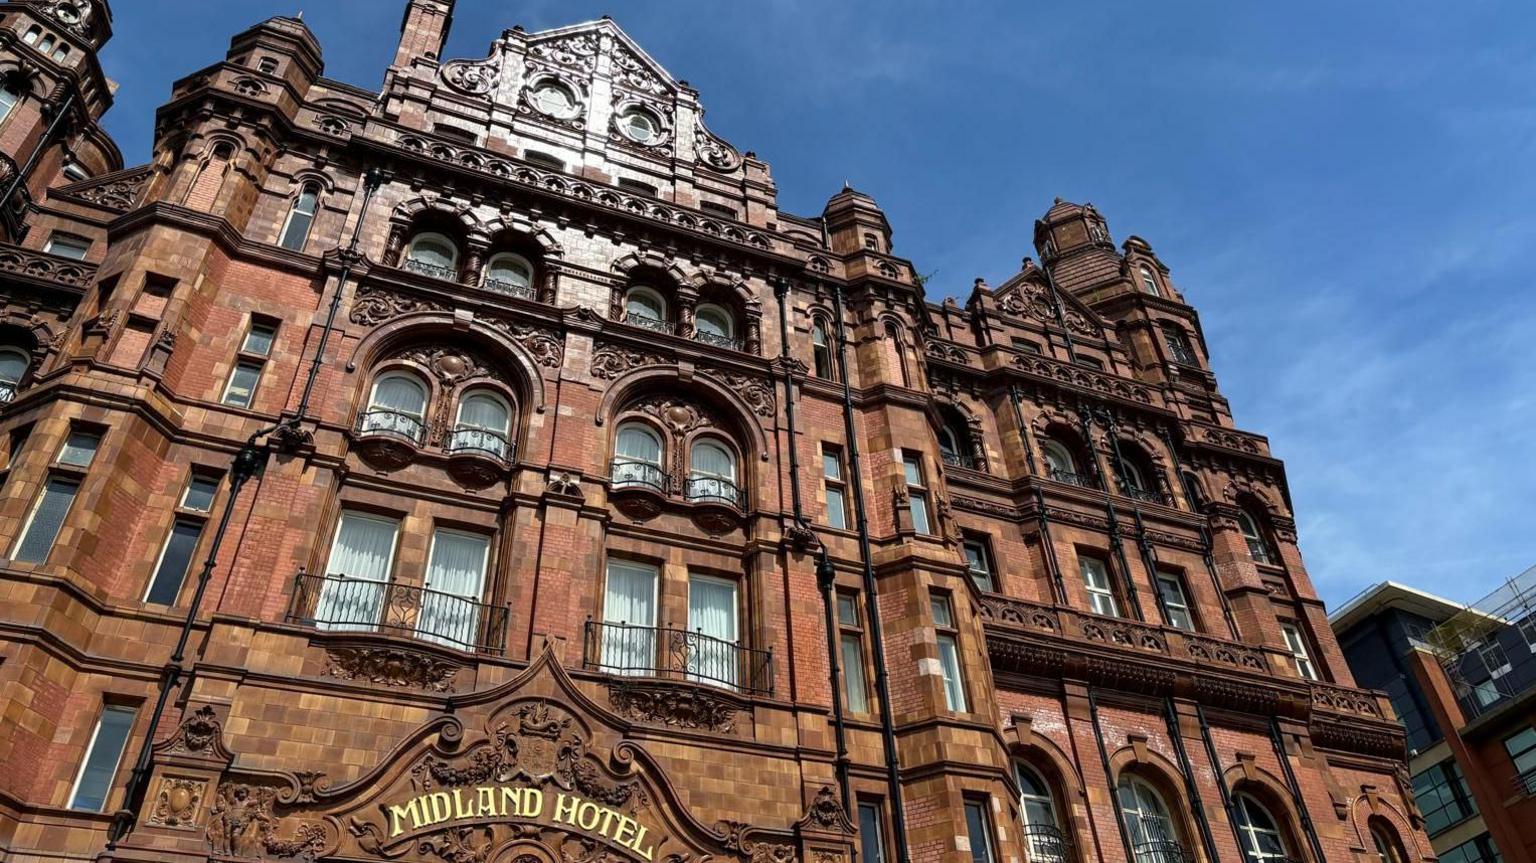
509, 273
1037, 807
1060, 461
1149, 282
1262, 842
644, 306
433, 254
1147, 822
821, 351
715, 325
1132, 475
483, 425
1258, 549
554, 99
640, 125
712, 473
13, 367
1386, 846
637, 458
397, 407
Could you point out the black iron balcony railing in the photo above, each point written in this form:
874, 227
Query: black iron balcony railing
1044, 843
1143, 495
639, 474
7, 392
647, 322
436, 271
1161, 851
392, 423
1070, 478
954, 459
714, 489
336, 603
468, 439
503, 286
676, 654
1182, 354
718, 340
1525, 783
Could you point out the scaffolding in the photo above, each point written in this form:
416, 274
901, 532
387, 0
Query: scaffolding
1488, 649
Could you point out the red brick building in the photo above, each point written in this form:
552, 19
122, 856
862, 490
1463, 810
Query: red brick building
485, 469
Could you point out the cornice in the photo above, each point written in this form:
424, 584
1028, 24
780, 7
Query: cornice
215, 228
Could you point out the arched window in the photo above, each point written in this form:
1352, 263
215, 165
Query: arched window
712, 473
1138, 477
433, 254
301, 215
1384, 839
1149, 282
396, 407
821, 352
1043, 837
1258, 548
1262, 842
1147, 823
1061, 463
1178, 346
637, 458
898, 352
714, 324
8, 99
483, 425
645, 307
509, 273
13, 367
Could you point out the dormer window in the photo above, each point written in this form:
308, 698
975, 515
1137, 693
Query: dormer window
1149, 282
554, 99
640, 125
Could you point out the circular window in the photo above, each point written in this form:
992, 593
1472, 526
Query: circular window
69, 13
554, 98
640, 125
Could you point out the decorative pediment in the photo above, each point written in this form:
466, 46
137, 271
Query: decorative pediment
118, 191
533, 768
1027, 295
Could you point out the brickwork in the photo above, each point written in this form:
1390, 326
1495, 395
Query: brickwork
1048, 417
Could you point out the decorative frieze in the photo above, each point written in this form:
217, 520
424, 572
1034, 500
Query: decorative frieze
676, 705
391, 666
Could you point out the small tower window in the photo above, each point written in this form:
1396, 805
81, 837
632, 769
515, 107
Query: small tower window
8, 99
1149, 282
60, 53
267, 66
821, 352
300, 217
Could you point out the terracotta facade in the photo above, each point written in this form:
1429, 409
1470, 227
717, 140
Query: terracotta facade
511, 417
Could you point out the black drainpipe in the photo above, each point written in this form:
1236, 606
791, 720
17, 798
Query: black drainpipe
248, 460
1278, 739
60, 116
1114, 790
1052, 565
1205, 535
1171, 715
871, 603
1143, 545
1086, 415
1227, 802
826, 575
1061, 316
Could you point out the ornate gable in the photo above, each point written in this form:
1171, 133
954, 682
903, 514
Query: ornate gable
1026, 295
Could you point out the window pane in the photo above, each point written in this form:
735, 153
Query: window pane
363, 553
47, 518
73, 248
242, 384
712, 616
847, 610
101, 760
80, 448
949, 661
871, 834
299, 221
837, 509
919, 506
976, 828
941, 612
450, 610
259, 339
174, 562
200, 493
914, 471
854, 690
831, 465
629, 611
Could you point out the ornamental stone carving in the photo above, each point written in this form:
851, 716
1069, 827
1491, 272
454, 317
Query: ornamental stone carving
714, 152
826, 813
613, 361
117, 192
633, 73
756, 392
243, 825
474, 77
547, 348
177, 803
373, 306
678, 706
391, 666
576, 51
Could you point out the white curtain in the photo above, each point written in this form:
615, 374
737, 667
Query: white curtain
629, 610
637, 447
362, 555
645, 303
397, 405
510, 269
450, 610
434, 250
483, 421
713, 472
714, 321
712, 615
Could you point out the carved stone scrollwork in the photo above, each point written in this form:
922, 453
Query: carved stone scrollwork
177, 802
757, 392
243, 825
391, 666
474, 77
116, 192
826, 813
547, 349
678, 706
612, 361
577, 51
714, 152
373, 306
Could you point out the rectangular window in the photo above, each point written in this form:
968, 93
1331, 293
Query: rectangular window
450, 608
47, 518
871, 832
978, 828
629, 185
175, 560
357, 573
1478, 850
76, 172
241, 388
102, 756
713, 617
1091, 362
629, 618
80, 447
1528, 631
851, 649
917, 493
259, 338
68, 246
1026, 346
1495, 660
836, 488
1298, 647
1170, 586
543, 160
1101, 591
1522, 751
199, 493
718, 209
949, 652
978, 558
1443, 796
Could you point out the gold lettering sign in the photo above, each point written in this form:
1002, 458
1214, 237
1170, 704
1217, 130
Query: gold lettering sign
517, 803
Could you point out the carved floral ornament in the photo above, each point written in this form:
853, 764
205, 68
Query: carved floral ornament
374, 306
612, 361
531, 769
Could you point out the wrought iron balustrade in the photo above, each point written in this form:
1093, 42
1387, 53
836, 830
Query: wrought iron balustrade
336, 603
639, 474
1525, 783
676, 654
436, 271
469, 439
1143, 495
1044, 843
718, 340
7, 392
647, 322
955, 459
715, 489
392, 423
510, 288
1078, 479
1161, 851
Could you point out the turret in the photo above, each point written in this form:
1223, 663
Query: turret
423, 32
855, 222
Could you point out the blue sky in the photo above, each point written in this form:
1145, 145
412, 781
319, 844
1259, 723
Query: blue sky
1346, 192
